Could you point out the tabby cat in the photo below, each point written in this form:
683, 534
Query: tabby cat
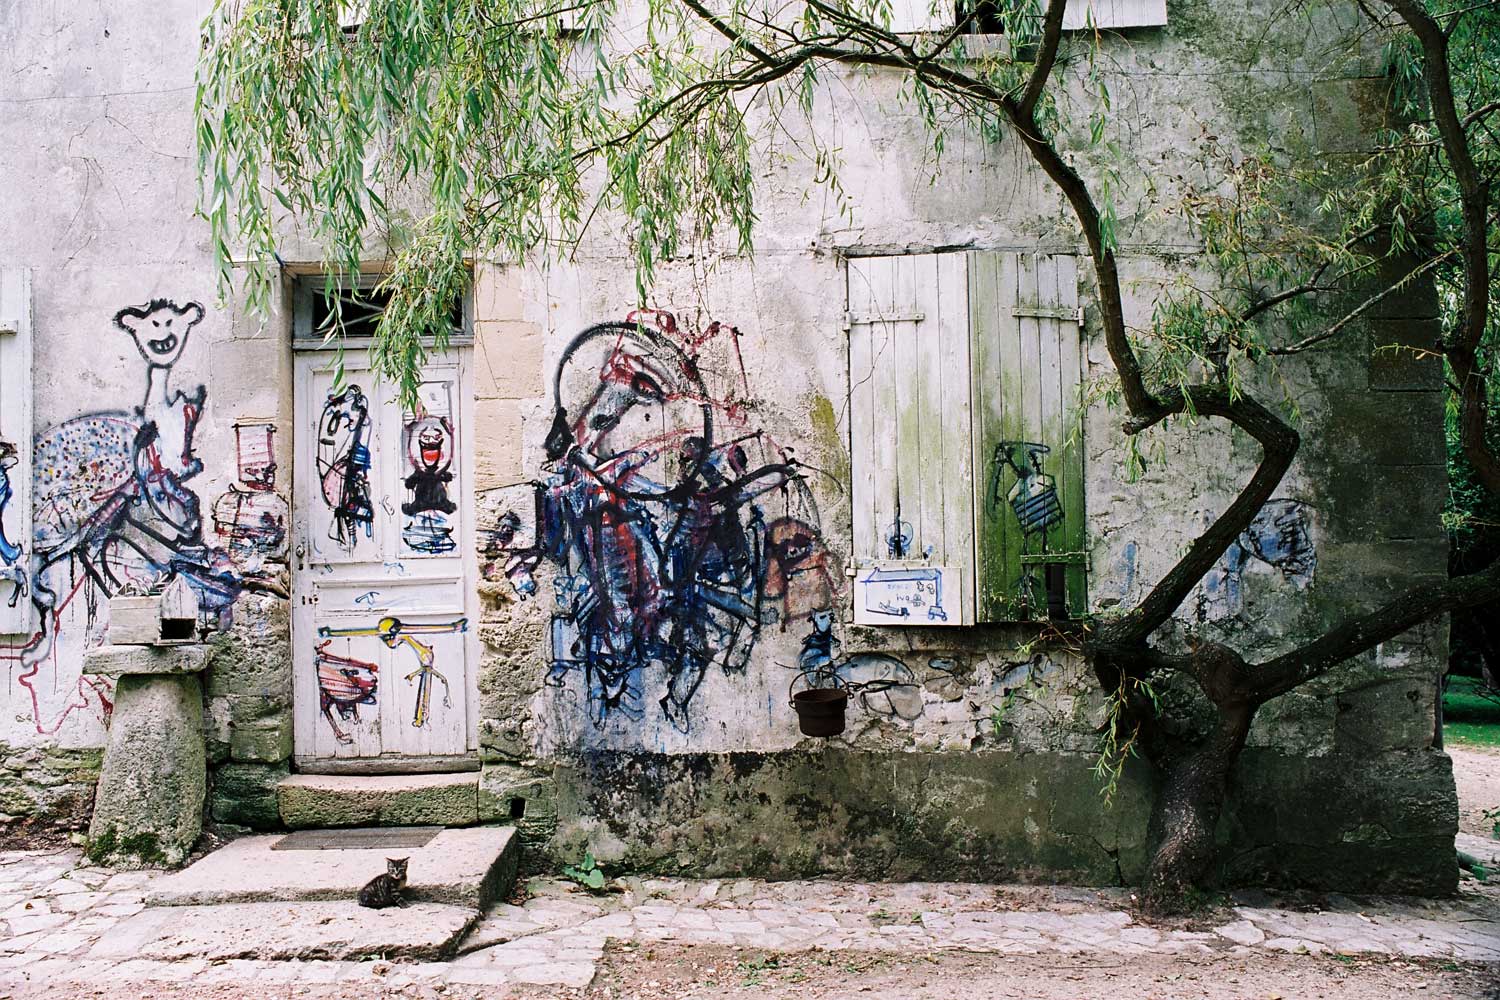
385, 890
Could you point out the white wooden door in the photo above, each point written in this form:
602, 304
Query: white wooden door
383, 611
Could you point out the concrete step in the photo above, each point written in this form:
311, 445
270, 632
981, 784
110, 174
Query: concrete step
470, 868
289, 931
323, 800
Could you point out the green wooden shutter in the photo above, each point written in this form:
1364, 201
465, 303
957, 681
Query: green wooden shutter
1028, 443
910, 420
15, 454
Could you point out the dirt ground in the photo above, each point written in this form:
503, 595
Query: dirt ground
699, 973
1477, 774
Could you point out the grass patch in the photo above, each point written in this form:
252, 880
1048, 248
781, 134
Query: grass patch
1471, 713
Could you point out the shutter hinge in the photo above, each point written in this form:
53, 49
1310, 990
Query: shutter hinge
1039, 312
1043, 558
9, 324
852, 319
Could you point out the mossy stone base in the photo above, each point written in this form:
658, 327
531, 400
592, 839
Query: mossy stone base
149, 805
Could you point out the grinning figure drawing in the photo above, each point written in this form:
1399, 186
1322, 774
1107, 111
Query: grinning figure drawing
656, 515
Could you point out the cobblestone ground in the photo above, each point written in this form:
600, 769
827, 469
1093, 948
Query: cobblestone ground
56, 908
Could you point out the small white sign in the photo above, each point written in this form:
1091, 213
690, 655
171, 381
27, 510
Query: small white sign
907, 595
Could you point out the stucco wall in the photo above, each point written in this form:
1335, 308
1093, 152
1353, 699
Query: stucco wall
924, 782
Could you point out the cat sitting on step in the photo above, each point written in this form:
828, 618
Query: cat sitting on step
385, 890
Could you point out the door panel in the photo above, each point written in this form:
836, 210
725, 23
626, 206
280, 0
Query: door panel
382, 624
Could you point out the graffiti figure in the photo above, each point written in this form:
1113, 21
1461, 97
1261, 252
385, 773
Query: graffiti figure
882, 684
11, 566
344, 464
1279, 536
110, 488
394, 632
251, 518
654, 516
1034, 501
344, 684
797, 570
429, 456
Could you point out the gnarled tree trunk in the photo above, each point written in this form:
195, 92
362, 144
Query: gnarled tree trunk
1185, 816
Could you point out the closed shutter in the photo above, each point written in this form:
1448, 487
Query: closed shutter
1081, 14
912, 16
15, 449
910, 448
1028, 447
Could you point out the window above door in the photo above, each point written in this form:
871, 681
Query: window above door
347, 315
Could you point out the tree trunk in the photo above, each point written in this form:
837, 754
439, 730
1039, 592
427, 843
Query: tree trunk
1185, 816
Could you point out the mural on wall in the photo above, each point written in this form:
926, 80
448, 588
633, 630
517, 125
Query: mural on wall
113, 508
679, 530
344, 684
1279, 537
343, 463
429, 446
1033, 500
395, 633
251, 518
12, 553
881, 684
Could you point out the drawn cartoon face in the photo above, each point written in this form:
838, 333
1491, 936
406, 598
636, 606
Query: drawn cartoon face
160, 329
429, 444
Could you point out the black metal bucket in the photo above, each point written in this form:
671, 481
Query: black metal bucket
820, 711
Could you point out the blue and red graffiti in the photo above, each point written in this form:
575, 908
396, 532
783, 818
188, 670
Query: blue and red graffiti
678, 530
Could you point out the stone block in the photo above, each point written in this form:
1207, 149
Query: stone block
254, 656
497, 292
278, 931
120, 661
1375, 502
1350, 113
470, 867
497, 448
267, 742
1391, 715
1355, 822
315, 800
510, 794
245, 794
149, 805
1378, 428
1403, 355
510, 360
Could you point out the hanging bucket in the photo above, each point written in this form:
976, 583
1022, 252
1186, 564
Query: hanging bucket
820, 711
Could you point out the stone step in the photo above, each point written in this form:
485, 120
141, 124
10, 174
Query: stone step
289, 931
469, 867
310, 801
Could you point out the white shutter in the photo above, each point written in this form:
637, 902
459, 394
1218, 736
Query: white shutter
15, 464
910, 450
911, 16
1114, 14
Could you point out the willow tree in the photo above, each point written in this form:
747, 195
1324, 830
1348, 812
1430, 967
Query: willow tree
514, 136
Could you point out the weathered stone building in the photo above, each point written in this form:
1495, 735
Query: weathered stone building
575, 589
